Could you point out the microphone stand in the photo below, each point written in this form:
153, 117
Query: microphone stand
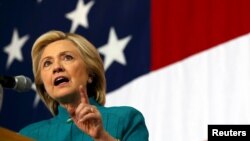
1, 97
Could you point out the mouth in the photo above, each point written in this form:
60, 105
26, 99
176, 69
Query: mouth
61, 79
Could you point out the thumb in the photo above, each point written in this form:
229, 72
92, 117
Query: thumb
83, 95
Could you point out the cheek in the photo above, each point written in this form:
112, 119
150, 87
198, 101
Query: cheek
80, 75
45, 78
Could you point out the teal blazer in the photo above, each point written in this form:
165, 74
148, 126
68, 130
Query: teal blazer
123, 123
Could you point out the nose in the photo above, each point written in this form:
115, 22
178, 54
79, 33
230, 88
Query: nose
58, 67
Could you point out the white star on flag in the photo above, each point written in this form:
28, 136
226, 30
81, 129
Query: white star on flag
113, 50
79, 15
14, 48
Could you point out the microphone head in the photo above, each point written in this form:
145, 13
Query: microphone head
23, 83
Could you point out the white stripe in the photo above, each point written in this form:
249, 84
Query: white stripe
179, 101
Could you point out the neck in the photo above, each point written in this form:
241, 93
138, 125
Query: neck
72, 101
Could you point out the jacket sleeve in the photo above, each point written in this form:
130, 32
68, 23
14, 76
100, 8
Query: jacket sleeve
134, 127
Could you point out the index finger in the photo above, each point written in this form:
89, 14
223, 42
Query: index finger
83, 95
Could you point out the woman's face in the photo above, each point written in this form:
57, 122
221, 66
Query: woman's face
63, 71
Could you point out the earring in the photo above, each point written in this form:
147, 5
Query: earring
90, 80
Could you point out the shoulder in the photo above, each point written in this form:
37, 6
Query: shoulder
33, 127
122, 116
127, 123
121, 111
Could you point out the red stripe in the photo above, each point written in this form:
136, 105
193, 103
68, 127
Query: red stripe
181, 28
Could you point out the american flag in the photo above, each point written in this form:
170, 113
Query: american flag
183, 63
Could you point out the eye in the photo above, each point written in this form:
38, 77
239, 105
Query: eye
68, 57
47, 63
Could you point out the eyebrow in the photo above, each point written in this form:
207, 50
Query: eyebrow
60, 54
45, 58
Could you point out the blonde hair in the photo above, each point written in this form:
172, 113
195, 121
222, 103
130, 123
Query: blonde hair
90, 57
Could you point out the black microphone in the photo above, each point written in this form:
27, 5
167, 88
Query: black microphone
19, 83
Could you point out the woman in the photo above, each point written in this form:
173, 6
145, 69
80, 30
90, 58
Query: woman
69, 78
